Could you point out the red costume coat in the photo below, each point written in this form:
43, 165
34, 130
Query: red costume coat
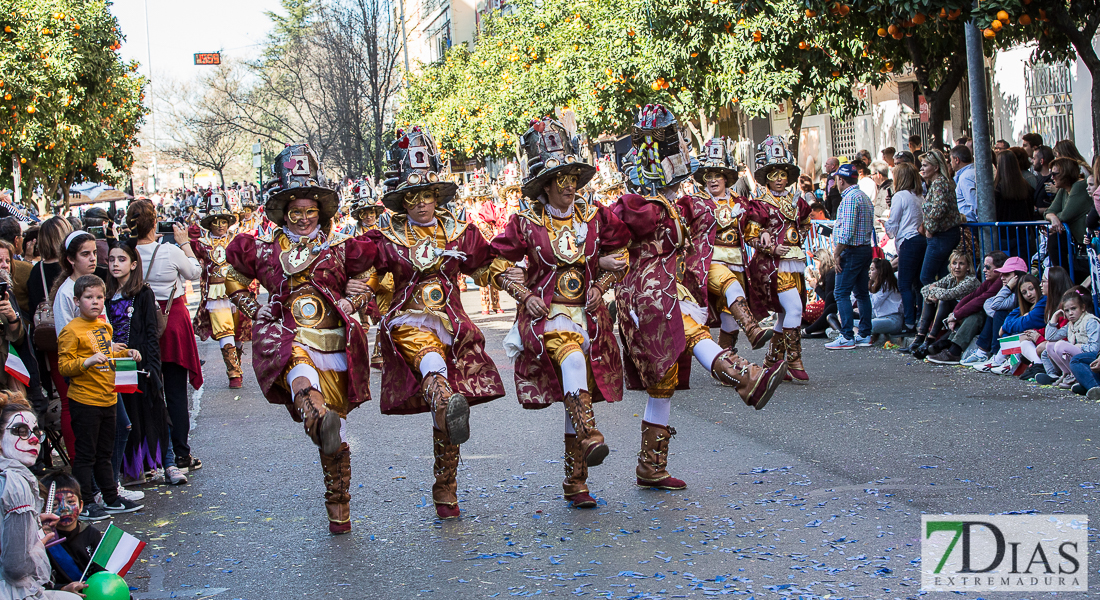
666, 236
339, 259
213, 261
785, 219
470, 370
537, 381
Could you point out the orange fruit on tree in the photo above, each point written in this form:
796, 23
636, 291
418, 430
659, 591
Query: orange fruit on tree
892, 29
844, 10
881, 32
996, 25
1002, 16
989, 34
897, 35
1025, 19
918, 19
811, 13
757, 36
836, 73
803, 45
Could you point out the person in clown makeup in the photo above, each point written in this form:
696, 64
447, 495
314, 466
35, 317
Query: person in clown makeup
24, 530
309, 354
433, 356
777, 225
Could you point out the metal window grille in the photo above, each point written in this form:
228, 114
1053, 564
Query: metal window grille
1050, 101
844, 138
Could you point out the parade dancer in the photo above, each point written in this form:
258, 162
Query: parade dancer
248, 221
367, 211
777, 225
490, 220
726, 277
433, 356
510, 190
569, 247
216, 317
310, 354
662, 300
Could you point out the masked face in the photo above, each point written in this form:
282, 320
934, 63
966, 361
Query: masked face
22, 439
716, 183
777, 181
302, 216
219, 227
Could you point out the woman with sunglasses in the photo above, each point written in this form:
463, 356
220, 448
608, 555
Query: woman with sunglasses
310, 354
433, 356
777, 225
941, 224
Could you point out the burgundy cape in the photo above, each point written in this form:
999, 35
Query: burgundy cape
761, 270
662, 234
470, 370
201, 322
258, 258
538, 383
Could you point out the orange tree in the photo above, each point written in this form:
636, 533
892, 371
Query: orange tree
928, 35
605, 59
68, 99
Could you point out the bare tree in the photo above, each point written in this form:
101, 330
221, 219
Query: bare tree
198, 133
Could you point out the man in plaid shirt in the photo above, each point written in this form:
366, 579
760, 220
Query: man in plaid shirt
852, 234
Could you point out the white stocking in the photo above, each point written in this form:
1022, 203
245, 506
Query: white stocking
791, 301
1028, 350
705, 352
657, 411
227, 341
733, 292
574, 373
343, 430
779, 316
729, 324
433, 363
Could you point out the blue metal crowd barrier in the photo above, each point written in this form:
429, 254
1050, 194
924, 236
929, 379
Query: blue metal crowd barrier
1028, 240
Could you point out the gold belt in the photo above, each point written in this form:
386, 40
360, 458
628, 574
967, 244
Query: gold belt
569, 287
312, 310
325, 340
429, 295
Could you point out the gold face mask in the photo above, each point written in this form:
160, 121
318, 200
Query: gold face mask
566, 180
777, 176
710, 176
297, 214
413, 199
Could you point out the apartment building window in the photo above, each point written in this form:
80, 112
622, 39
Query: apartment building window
1050, 101
844, 138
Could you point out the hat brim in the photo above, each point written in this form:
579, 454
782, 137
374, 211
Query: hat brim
761, 174
534, 187
327, 202
209, 219
394, 200
731, 174
359, 210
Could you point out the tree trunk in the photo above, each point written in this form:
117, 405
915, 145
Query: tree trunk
797, 114
221, 178
939, 100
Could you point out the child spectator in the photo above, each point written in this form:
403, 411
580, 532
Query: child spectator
85, 350
985, 356
69, 559
1055, 284
1025, 320
78, 258
1082, 333
940, 298
887, 318
965, 322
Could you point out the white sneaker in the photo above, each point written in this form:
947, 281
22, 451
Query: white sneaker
131, 495
984, 367
175, 476
831, 333
840, 343
976, 357
1004, 368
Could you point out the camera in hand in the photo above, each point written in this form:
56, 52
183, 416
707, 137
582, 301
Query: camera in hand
99, 231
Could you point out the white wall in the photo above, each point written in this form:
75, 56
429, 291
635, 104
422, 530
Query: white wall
1082, 106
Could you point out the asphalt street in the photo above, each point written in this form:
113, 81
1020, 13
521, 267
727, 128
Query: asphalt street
817, 496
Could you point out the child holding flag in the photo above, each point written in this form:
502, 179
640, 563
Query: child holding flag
89, 358
1082, 335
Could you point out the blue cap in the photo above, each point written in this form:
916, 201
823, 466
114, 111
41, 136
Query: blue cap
847, 171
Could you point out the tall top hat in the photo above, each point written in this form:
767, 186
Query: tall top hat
716, 158
509, 179
660, 156
550, 152
298, 174
415, 166
477, 188
772, 155
214, 207
364, 198
609, 176
248, 197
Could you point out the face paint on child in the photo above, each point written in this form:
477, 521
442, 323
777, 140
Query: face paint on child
67, 507
25, 450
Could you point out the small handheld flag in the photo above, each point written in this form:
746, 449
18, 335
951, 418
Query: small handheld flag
1010, 344
126, 376
15, 367
117, 551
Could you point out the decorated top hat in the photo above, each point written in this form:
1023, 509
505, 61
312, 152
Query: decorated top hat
415, 166
364, 199
477, 189
509, 179
248, 197
550, 152
716, 158
298, 174
609, 176
660, 157
214, 207
772, 155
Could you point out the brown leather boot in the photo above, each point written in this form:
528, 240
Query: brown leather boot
445, 488
728, 340
321, 424
452, 413
337, 469
653, 458
756, 335
776, 351
576, 475
579, 407
793, 345
233, 367
754, 384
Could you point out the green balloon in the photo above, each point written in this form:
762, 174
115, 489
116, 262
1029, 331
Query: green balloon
106, 586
